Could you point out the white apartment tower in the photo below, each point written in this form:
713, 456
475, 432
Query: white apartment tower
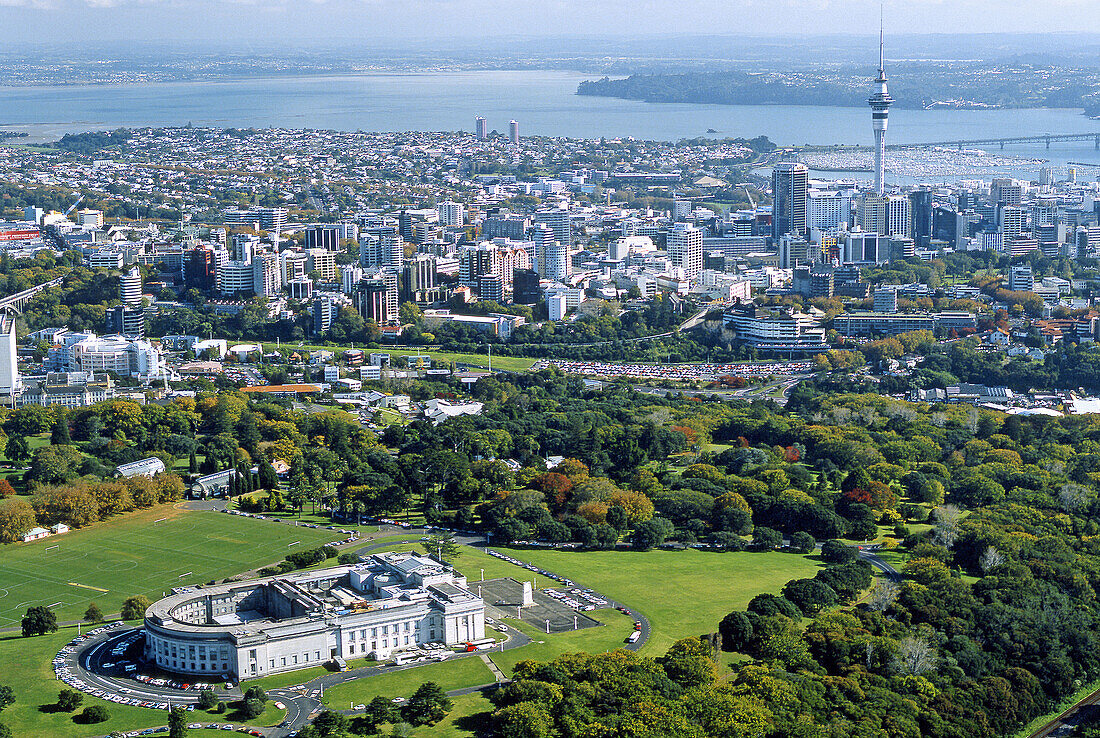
129, 283
482, 128
513, 131
685, 248
451, 213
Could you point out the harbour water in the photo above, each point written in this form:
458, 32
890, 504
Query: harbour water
544, 102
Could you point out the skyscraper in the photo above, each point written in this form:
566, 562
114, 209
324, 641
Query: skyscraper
920, 209
482, 128
880, 102
513, 131
790, 181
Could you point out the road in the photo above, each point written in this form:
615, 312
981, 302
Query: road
1085, 711
870, 555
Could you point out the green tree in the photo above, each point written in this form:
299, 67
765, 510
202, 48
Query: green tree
268, 478
93, 714
39, 620
443, 546
651, 533
207, 699
134, 607
16, 518
68, 700
60, 434
17, 450
379, 710
177, 722
93, 614
428, 705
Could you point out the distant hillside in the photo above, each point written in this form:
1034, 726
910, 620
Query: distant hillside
926, 86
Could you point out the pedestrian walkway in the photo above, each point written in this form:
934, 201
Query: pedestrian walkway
494, 668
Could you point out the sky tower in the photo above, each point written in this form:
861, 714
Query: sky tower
880, 103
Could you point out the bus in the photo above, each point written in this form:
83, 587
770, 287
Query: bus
633, 637
483, 644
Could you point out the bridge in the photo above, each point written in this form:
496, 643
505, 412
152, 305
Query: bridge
1045, 138
19, 300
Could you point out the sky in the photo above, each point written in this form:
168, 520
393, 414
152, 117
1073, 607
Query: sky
231, 20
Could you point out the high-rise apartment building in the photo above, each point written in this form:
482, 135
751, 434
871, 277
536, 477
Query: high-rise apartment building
129, 284
790, 181
482, 128
451, 213
266, 274
559, 220
322, 262
826, 210
513, 131
685, 248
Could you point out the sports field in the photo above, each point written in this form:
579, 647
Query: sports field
137, 555
683, 593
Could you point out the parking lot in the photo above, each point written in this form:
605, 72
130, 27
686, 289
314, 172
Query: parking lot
549, 610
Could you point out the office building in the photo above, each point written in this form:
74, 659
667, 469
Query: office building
886, 215
10, 383
123, 320
391, 603
776, 330
505, 225
293, 266
377, 299
88, 218
235, 277
1020, 278
525, 287
789, 189
322, 237
886, 299
268, 219
198, 268
418, 279
1005, 191
1011, 221
920, 213
685, 248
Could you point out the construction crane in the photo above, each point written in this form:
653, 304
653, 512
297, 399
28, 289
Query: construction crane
73, 206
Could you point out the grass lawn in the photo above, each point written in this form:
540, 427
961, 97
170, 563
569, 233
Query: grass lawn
135, 555
545, 647
683, 593
472, 561
457, 673
508, 363
25, 667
